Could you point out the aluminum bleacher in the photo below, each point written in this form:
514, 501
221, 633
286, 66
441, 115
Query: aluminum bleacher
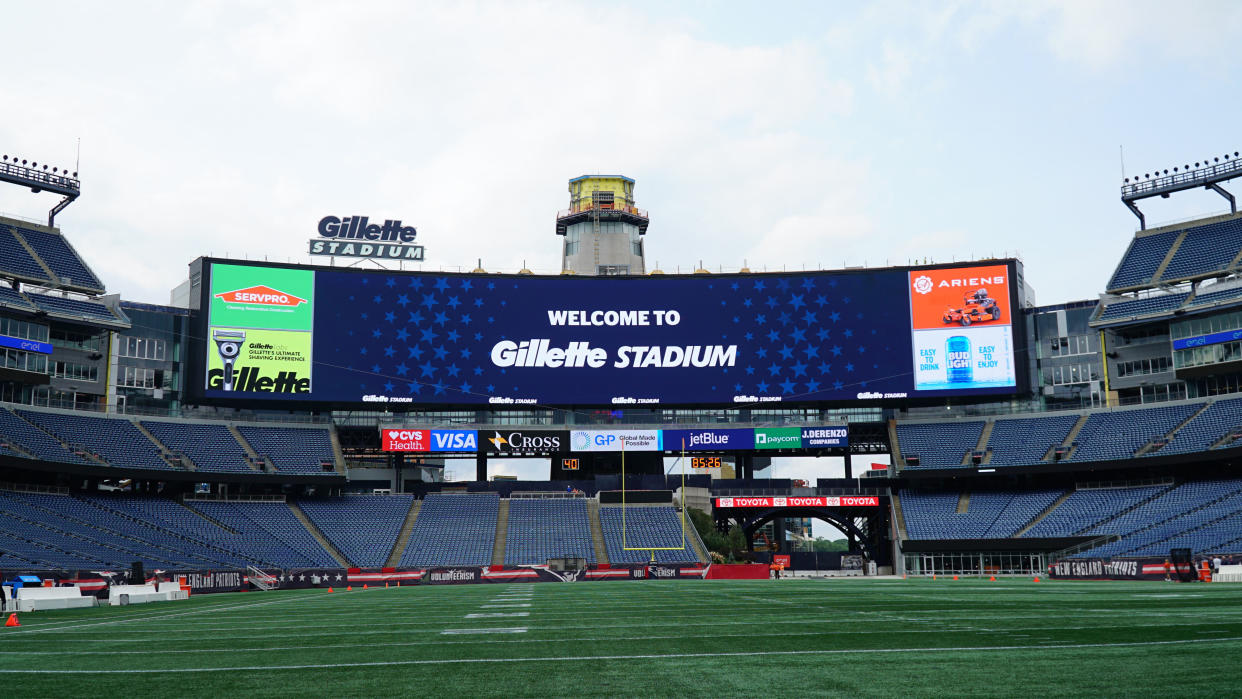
453, 529
543, 528
657, 527
363, 528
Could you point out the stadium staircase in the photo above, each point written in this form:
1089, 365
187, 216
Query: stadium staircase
982, 446
338, 456
1168, 257
963, 503
253, 455
1035, 520
34, 255
209, 518
403, 538
315, 532
502, 533
597, 531
1070, 439
182, 461
899, 461
1154, 446
900, 517
696, 543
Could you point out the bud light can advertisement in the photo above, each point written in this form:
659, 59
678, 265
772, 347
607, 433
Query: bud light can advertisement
961, 328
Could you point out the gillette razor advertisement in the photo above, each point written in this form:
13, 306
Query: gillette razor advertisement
260, 331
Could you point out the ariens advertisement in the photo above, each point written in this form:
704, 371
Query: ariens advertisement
390, 339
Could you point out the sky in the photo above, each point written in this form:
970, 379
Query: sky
794, 136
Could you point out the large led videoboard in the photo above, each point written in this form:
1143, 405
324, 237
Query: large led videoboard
379, 338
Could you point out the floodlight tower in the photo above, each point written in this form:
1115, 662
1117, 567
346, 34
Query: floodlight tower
18, 171
602, 228
1204, 175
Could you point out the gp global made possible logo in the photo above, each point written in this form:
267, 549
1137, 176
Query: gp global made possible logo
261, 296
923, 284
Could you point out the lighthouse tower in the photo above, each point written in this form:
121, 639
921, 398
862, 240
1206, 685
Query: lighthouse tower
603, 230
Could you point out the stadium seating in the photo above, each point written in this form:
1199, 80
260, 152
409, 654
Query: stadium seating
1206, 249
292, 449
1209, 297
62, 259
212, 447
1026, 440
1138, 266
34, 440
1208, 427
271, 531
645, 526
453, 529
989, 515
1118, 434
16, 260
14, 299
363, 528
1148, 306
543, 528
77, 309
1087, 507
117, 441
1174, 513
939, 444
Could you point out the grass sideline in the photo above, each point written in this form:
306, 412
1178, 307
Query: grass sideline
701, 638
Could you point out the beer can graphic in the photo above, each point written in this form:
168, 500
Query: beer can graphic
958, 361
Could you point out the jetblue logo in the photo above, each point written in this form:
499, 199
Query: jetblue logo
454, 440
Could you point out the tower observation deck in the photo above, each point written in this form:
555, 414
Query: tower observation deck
603, 230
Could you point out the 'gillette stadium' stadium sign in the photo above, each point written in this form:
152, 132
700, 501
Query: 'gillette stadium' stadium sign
356, 236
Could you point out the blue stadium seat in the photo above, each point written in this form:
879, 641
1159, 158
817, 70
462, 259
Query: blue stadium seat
1118, 434
64, 261
1025, 441
292, 449
656, 527
939, 444
1206, 249
364, 528
116, 440
453, 529
989, 515
212, 447
543, 528
1148, 306
77, 309
34, 440
1139, 264
16, 260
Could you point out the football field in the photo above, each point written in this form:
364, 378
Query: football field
635, 638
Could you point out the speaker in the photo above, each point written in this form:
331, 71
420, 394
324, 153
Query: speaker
136, 576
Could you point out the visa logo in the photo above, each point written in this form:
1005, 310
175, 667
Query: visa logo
454, 440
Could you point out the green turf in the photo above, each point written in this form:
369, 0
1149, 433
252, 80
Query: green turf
635, 638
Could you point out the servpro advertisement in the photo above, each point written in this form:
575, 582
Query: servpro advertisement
961, 328
260, 330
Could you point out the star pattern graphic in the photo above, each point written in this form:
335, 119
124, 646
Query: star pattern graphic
429, 338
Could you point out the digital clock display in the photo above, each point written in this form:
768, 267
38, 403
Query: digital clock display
705, 462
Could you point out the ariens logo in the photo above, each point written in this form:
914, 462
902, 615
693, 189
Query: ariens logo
923, 284
261, 296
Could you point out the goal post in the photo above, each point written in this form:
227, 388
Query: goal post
625, 546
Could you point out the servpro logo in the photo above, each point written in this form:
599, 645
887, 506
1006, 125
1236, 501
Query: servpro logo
261, 296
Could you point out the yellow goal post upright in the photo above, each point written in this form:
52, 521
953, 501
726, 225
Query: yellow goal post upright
625, 546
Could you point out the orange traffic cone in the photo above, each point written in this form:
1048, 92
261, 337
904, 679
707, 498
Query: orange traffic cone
933, 576
364, 586
1036, 578
13, 620
331, 590
992, 578
349, 588
955, 577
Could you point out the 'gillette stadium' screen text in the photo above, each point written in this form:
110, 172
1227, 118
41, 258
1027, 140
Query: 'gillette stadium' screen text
397, 339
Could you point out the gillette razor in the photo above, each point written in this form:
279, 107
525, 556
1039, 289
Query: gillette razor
228, 344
